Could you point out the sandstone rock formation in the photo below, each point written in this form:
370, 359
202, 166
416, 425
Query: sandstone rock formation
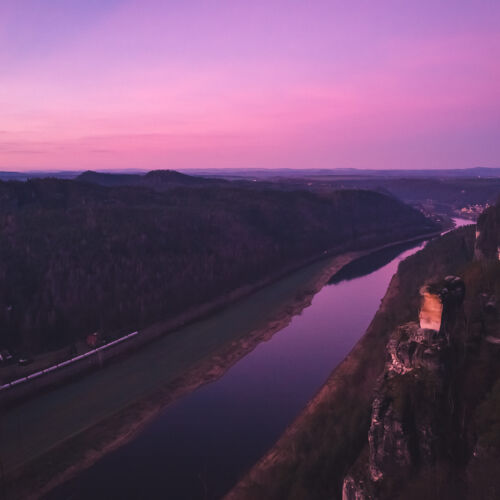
487, 244
411, 405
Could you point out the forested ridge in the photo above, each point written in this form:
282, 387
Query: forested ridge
76, 257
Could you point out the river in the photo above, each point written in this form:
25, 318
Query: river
198, 447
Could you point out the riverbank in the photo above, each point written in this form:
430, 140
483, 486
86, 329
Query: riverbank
116, 427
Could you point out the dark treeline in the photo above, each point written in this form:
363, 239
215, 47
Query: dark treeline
156, 179
76, 257
445, 195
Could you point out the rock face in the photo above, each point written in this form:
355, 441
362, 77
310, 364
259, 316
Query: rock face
432, 314
404, 431
431, 310
354, 488
411, 406
487, 244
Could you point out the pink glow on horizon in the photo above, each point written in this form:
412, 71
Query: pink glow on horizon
122, 84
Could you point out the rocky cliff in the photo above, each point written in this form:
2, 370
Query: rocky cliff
435, 415
413, 399
488, 234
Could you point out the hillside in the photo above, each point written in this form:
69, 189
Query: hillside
77, 257
156, 179
454, 192
459, 196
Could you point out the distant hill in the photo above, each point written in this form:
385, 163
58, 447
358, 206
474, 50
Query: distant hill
156, 179
267, 173
447, 195
104, 179
451, 192
24, 176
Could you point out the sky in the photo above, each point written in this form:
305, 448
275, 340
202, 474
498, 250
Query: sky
104, 84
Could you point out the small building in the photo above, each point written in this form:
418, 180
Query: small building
93, 340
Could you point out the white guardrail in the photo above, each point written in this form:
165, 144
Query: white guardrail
65, 363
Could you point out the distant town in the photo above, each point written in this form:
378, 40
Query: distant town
473, 211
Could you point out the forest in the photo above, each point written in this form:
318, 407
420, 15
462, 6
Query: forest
76, 257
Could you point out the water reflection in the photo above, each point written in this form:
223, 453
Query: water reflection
370, 263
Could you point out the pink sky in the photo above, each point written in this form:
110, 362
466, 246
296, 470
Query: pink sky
179, 84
